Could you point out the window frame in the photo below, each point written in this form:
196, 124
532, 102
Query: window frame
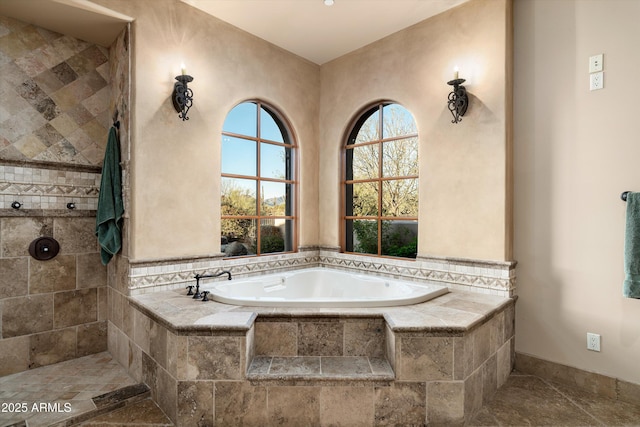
346, 209
291, 203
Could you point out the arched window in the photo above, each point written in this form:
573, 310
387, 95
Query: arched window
258, 179
380, 184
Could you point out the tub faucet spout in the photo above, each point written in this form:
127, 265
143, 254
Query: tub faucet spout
202, 276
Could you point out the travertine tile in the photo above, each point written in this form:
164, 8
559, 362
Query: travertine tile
425, 359
215, 358
446, 401
76, 235
142, 326
596, 383
145, 412
14, 355
14, 277
403, 403
481, 345
18, 233
527, 400
75, 307
473, 392
364, 337
57, 274
628, 392
346, 406
92, 338
167, 395
239, 403
608, 411
489, 379
27, 315
462, 357
90, 271
149, 374
177, 355
276, 338
320, 338
504, 363
345, 366
158, 343
195, 403
285, 406
295, 366
52, 347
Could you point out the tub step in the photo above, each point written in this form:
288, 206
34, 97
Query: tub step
320, 368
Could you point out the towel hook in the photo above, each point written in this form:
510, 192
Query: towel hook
624, 195
116, 122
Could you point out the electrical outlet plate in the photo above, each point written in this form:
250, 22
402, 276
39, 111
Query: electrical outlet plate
593, 341
595, 63
596, 81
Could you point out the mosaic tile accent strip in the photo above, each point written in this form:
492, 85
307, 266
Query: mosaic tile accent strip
493, 278
55, 96
153, 276
479, 276
39, 188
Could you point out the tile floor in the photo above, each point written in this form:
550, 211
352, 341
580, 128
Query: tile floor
525, 400
61, 394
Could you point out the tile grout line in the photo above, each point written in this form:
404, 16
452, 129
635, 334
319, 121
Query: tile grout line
569, 399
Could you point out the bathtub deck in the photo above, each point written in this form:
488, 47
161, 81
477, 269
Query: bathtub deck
436, 361
455, 312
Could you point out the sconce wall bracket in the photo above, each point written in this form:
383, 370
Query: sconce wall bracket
458, 100
182, 96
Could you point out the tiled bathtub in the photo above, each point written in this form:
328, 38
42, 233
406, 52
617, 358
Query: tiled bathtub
209, 363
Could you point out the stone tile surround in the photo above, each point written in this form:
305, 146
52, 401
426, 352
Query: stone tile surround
48, 187
55, 310
486, 277
448, 356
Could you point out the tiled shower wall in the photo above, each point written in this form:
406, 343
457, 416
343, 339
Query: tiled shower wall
55, 109
52, 310
55, 96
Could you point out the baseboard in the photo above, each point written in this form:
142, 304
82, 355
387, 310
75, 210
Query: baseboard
613, 388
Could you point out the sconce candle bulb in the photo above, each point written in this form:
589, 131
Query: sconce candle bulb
458, 99
182, 96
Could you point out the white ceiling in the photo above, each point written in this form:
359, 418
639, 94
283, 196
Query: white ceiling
307, 28
321, 33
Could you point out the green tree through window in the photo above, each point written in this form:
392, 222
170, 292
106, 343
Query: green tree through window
381, 183
257, 186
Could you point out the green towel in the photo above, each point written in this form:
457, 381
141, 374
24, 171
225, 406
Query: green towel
632, 247
110, 205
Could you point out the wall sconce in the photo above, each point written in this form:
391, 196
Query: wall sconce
182, 96
458, 100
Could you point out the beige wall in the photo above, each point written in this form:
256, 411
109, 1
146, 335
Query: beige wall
175, 171
463, 167
575, 152
175, 167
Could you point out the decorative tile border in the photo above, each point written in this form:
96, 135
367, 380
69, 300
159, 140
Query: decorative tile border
45, 188
487, 277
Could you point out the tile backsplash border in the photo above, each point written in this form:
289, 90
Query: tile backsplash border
487, 277
45, 187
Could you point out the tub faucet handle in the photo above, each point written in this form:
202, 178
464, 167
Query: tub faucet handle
190, 287
204, 295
